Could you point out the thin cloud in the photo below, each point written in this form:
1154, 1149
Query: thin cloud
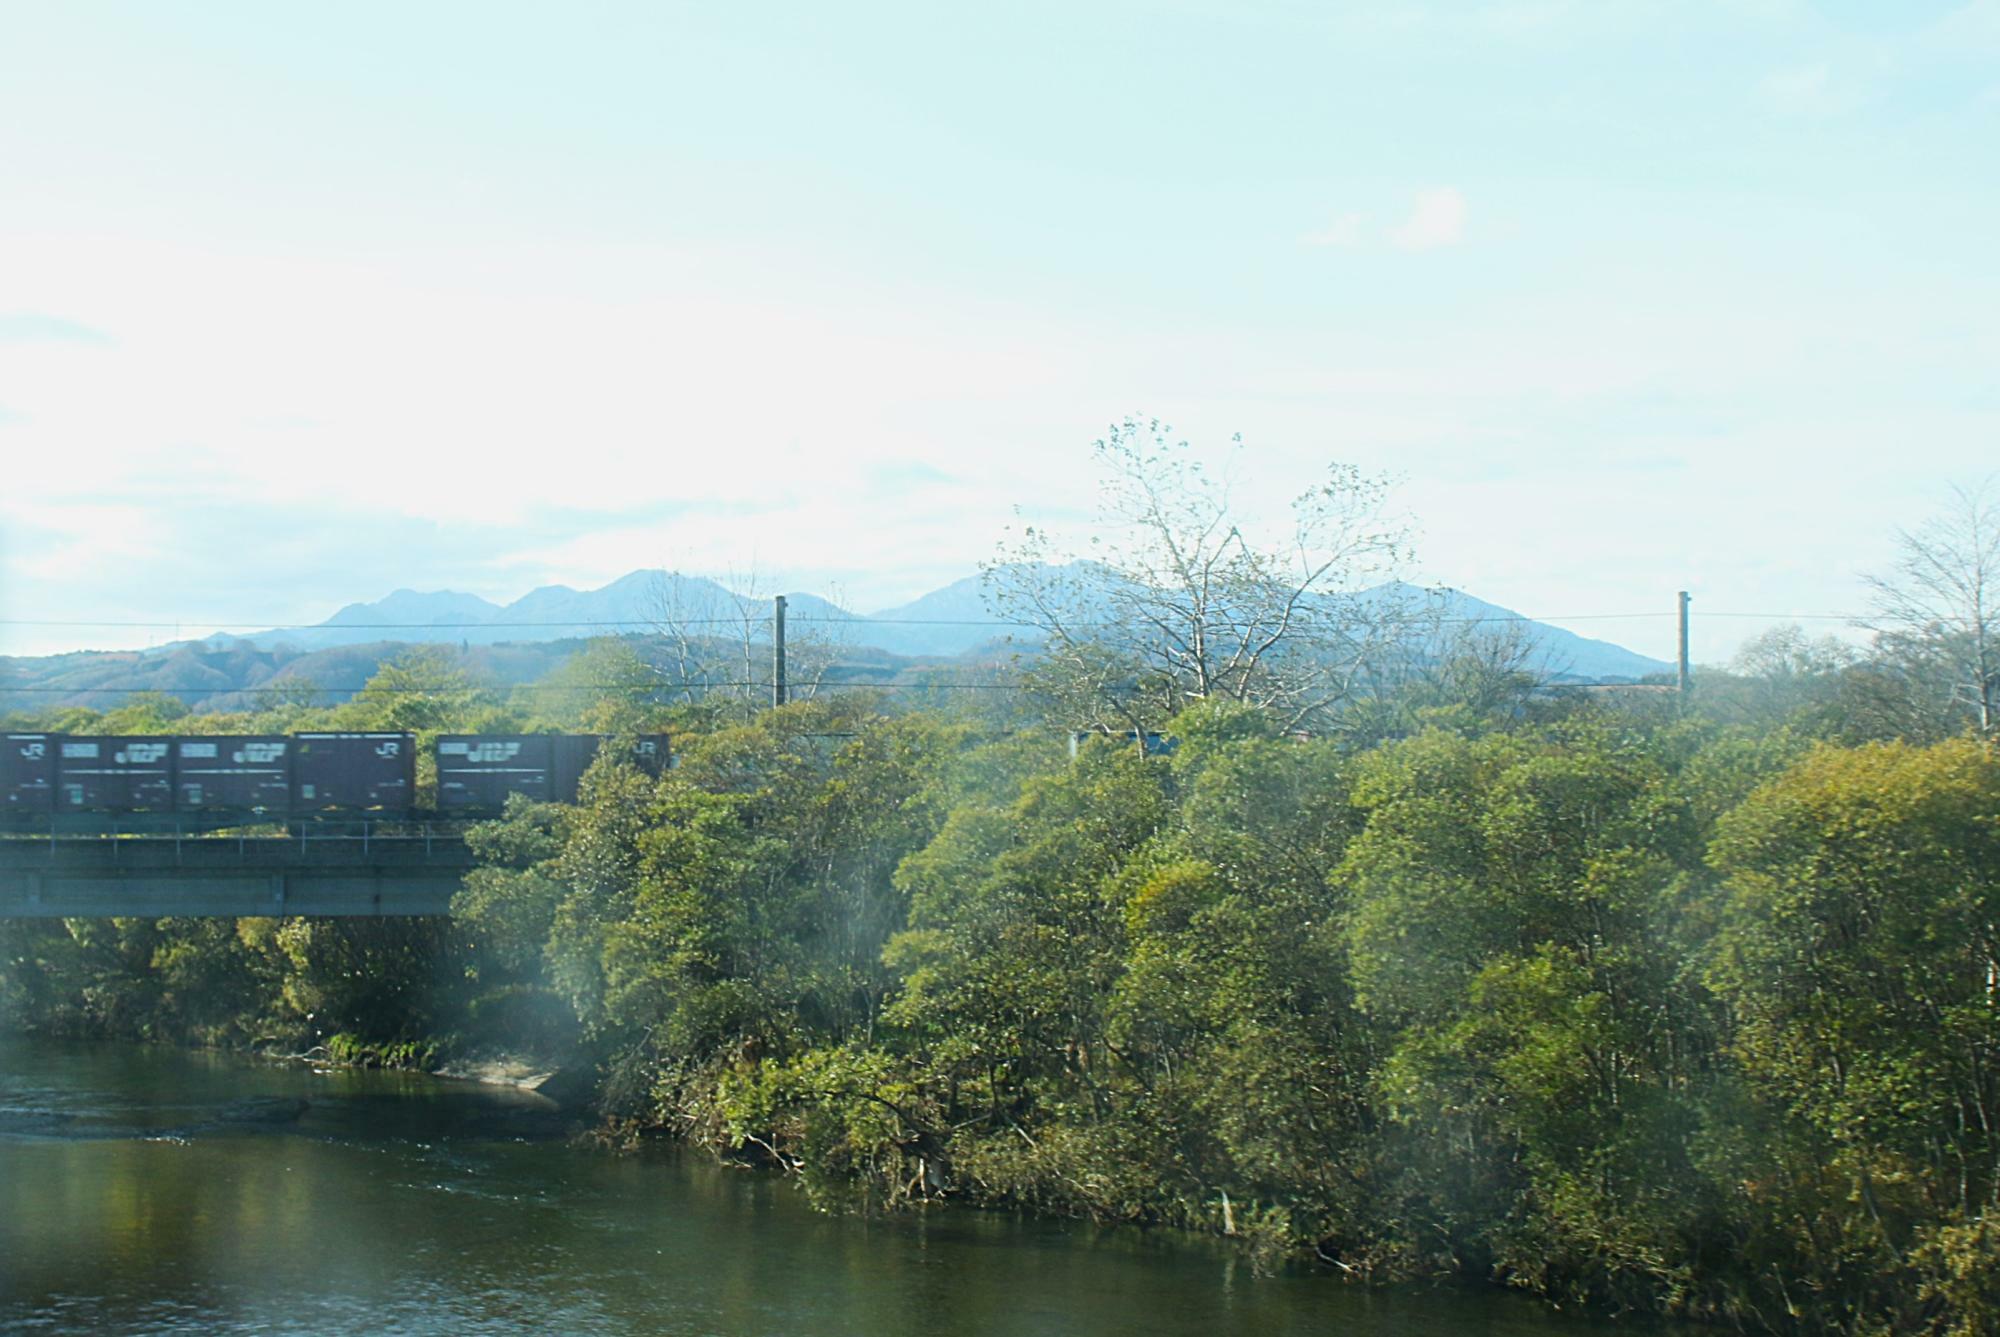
1810, 90
1437, 218
28, 327
1345, 230
898, 475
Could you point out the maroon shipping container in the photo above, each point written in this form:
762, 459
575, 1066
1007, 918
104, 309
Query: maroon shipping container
476, 773
650, 753
28, 773
574, 753
252, 773
570, 756
356, 771
116, 774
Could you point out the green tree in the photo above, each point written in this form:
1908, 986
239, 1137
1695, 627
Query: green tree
1234, 1018
1516, 930
1859, 956
1016, 935
422, 689
605, 688
145, 713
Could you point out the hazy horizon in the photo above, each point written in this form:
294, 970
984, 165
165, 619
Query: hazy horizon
144, 636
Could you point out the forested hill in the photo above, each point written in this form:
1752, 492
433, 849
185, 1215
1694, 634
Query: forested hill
952, 621
240, 675
237, 675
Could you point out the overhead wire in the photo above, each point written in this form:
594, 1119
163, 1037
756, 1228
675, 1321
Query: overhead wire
303, 688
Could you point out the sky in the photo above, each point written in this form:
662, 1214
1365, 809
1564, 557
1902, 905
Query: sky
300, 305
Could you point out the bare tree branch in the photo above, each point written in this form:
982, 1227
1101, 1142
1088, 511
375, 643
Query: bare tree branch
1175, 602
1937, 610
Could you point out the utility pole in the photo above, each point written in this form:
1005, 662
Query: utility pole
778, 649
1684, 647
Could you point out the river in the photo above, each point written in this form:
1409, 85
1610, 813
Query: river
147, 1189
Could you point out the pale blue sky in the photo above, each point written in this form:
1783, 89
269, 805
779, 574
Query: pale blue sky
299, 305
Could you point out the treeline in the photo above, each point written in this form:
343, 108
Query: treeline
1660, 1012
1674, 1018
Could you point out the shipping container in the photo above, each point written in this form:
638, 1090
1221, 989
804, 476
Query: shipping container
650, 753
476, 773
252, 773
353, 771
572, 755
115, 774
28, 773
1149, 743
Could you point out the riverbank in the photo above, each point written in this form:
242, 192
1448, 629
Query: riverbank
569, 1084
402, 1202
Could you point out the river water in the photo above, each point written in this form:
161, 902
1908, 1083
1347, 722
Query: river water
146, 1189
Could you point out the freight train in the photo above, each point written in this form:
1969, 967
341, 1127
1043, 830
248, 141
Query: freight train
292, 776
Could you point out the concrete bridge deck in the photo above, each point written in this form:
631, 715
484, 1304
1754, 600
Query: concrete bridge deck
307, 873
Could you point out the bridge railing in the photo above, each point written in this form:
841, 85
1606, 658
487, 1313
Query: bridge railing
157, 826
351, 845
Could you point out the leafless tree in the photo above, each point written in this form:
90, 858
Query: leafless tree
1785, 655
1174, 602
1937, 610
1485, 666
684, 634
1783, 674
713, 641
815, 644
1446, 669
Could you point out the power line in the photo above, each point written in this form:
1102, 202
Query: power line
380, 626
664, 624
1793, 617
305, 689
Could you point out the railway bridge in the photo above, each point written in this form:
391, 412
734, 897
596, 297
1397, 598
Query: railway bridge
355, 869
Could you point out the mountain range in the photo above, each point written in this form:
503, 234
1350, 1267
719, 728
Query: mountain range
519, 641
641, 602
947, 622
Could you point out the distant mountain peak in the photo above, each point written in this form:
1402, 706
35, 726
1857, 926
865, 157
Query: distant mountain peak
948, 621
429, 608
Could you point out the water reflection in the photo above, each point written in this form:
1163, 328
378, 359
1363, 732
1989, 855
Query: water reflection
152, 1190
